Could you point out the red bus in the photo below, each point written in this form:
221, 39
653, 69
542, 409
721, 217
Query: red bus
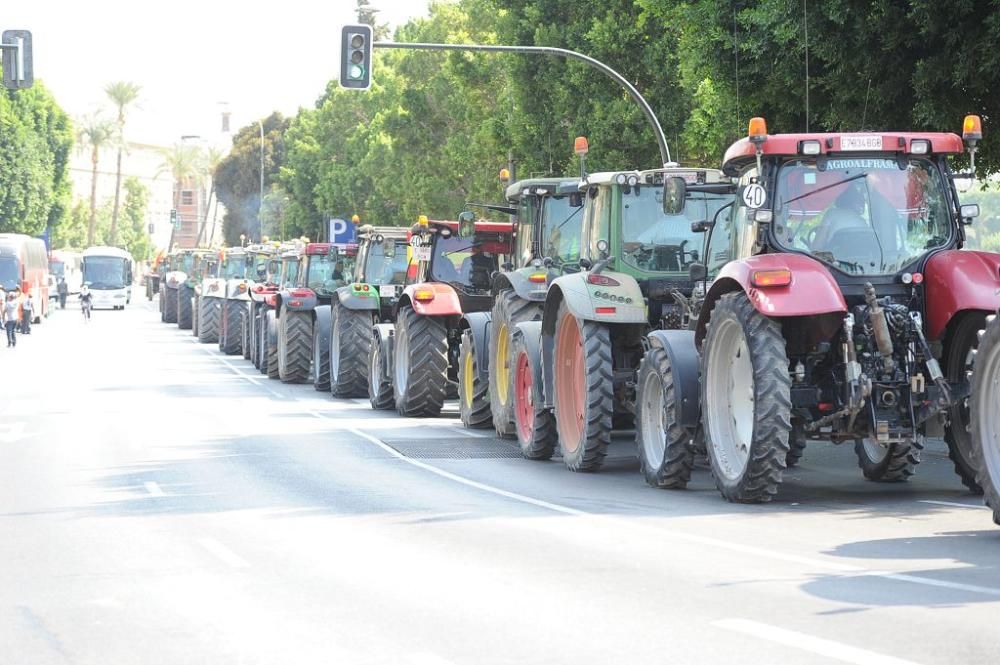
24, 262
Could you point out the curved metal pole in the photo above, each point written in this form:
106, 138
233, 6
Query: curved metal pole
636, 96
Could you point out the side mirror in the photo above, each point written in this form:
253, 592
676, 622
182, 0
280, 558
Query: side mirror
969, 212
697, 272
274, 266
702, 226
389, 248
674, 195
466, 224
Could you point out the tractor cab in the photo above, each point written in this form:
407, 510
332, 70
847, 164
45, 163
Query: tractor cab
548, 213
324, 267
384, 255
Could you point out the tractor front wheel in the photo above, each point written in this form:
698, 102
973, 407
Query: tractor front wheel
984, 409
294, 346
170, 306
320, 361
508, 311
379, 385
420, 364
184, 296
583, 391
350, 346
231, 336
746, 400
474, 391
958, 363
245, 331
534, 425
209, 314
891, 463
271, 366
666, 453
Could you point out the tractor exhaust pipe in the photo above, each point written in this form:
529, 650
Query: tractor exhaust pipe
880, 326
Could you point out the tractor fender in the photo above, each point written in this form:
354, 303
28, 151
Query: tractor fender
175, 278
517, 281
298, 300
383, 334
351, 298
531, 333
683, 355
272, 327
585, 300
813, 290
321, 325
445, 300
957, 281
213, 287
478, 323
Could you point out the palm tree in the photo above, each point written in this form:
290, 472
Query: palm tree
212, 158
122, 94
184, 163
96, 132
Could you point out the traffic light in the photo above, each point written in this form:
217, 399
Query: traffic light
356, 57
175, 220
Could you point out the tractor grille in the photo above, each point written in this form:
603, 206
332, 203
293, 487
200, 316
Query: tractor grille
463, 448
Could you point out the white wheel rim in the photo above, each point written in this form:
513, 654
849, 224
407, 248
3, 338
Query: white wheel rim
334, 351
654, 431
402, 362
731, 381
988, 415
375, 371
875, 451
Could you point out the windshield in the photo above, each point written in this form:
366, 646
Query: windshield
57, 268
291, 272
234, 267
183, 263
326, 275
656, 242
467, 261
863, 216
105, 272
381, 269
10, 273
562, 225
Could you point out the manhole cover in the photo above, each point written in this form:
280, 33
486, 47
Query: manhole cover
467, 448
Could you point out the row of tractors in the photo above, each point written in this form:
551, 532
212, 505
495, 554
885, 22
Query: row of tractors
811, 289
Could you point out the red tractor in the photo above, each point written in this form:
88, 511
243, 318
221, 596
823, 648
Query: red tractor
840, 308
431, 348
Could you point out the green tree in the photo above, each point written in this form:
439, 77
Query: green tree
134, 231
94, 132
213, 156
122, 95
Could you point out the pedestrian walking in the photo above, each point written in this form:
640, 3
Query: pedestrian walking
63, 289
10, 318
27, 313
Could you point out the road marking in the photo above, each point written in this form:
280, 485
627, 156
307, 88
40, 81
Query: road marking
816, 645
153, 488
953, 503
223, 553
252, 379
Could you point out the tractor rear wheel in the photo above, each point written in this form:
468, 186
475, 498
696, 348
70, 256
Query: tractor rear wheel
195, 304
958, 362
379, 387
245, 331
254, 334
320, 362
271, 366
888, 464
209, 313
473, 390
184, 296
350, 347
534, 425
420, 364
666, 453
231, 336
984, 407
508, 311
582, 390
746, 400
796, 445
294, 346
170, 306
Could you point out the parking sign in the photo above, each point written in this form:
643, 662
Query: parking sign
341, 231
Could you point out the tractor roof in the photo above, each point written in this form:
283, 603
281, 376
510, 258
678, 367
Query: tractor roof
543, 186
482, 226
744, 151
395, 232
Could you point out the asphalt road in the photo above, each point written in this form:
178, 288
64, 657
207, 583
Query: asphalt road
161, 503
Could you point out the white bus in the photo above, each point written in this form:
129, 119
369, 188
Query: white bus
107, 271
67, 265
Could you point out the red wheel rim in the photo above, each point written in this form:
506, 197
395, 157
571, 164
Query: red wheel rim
571, 380
524, 406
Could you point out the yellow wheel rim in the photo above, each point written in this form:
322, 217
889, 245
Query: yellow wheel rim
469, 379
502, 364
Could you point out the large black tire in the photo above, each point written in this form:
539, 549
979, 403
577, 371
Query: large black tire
245, 330
796, 445
170, 305
742, 345
666, 452
420, 364
508, 311
889, 465
159, 303
294, 346
350, 348
195, 304
962, 343
320, 361
984, 407
231, 332
184, 312
473, 390
534, 425
254, 335
209, 316
582, 390
271, 366
262, 342
379, 387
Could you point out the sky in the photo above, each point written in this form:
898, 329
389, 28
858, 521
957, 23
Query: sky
190, 56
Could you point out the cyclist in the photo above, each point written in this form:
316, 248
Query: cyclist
86, 301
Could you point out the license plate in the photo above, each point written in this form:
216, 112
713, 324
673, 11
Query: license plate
860, 142
387, 291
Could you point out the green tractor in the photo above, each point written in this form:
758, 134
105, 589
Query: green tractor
383, 257
202, 260
574, 372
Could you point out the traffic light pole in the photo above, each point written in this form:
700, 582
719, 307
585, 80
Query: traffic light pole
636, 96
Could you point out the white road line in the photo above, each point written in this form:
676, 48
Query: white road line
223, 553
471, 432
153, 488
816, 645
953, 503
236, 370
